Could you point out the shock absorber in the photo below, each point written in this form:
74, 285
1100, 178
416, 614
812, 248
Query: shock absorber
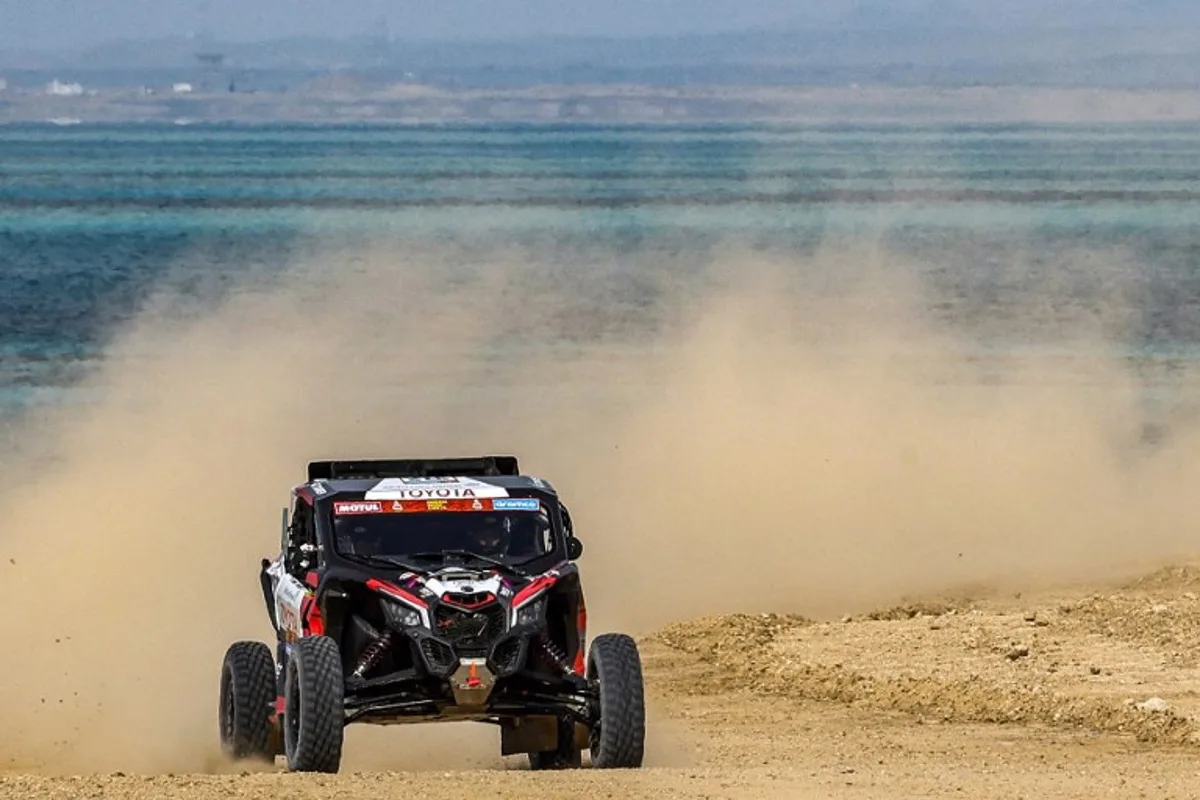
374, 652
555, 654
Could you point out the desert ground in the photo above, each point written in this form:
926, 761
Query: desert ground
735, 462
1080, 692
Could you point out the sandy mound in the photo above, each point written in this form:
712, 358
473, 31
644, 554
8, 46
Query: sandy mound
1119, 662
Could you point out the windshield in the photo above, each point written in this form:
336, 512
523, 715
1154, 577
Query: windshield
513, 531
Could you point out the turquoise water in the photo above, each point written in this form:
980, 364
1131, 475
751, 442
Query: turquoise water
92, 218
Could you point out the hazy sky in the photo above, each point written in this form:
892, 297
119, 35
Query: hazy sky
53, 24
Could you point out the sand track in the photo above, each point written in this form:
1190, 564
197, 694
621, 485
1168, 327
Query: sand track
995, 696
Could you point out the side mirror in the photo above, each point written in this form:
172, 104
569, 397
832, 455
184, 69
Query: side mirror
574, 548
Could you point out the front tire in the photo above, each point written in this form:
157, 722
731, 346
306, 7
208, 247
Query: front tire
618, 736
313, 716
247, 701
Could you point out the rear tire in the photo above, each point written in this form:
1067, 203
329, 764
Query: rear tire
247, 701
618, 736
314, 711
565, 756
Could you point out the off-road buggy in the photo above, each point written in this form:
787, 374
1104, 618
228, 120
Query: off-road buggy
430, 590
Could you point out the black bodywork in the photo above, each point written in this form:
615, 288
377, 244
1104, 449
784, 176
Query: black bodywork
525, 674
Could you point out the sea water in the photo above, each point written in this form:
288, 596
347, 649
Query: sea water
94, 218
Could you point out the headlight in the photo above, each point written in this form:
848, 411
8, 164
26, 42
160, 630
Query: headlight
400, 616
531, 613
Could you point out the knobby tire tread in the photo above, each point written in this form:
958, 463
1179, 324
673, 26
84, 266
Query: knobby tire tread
249, 670
615, 661
316, 665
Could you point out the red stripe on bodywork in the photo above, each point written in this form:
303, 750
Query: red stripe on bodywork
529, 591
469, 606
581, 626
395, 591
314, 623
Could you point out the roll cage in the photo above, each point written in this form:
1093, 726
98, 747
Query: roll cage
306, 537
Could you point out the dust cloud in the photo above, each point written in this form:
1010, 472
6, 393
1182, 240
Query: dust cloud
784, 435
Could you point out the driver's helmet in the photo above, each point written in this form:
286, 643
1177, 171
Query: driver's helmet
491, 536
360, 541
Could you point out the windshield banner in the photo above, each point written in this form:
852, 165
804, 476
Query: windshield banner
345, 508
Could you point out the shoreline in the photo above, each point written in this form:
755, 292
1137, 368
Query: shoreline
412, 104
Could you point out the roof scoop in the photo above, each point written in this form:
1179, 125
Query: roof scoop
480, 466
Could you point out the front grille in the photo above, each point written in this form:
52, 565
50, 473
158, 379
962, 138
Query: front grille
469, 630
506, 657
439, 657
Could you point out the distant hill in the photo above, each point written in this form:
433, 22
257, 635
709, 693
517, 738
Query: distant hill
952, 43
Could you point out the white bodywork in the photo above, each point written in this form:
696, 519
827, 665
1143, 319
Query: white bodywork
289, 596
462, 585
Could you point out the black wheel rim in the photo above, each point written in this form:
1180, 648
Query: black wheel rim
597, 715
291, 714
594, 738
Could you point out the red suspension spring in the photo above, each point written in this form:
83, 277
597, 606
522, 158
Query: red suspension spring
373, 653
557, 657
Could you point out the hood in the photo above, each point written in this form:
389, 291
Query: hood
461, 582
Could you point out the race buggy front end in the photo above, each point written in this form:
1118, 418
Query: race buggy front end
430, 590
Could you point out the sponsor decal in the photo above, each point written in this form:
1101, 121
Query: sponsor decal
291, 592
516, 504
453, 505
318, 488
433, 489
447, 493
289, 597
346, 507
